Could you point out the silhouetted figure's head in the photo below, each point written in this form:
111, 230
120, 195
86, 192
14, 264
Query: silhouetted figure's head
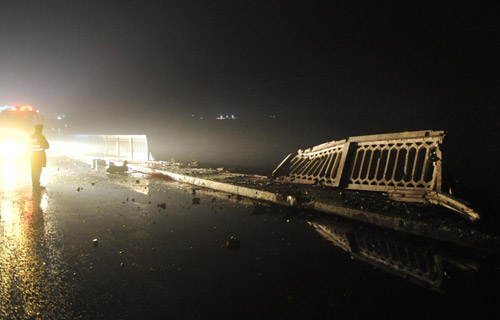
38, 128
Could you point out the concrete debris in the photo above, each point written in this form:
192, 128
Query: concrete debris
233, 243
98, 163
193, 164
162, 205
113, 168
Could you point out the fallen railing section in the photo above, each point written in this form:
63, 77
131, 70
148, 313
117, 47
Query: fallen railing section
407, 166
134, 147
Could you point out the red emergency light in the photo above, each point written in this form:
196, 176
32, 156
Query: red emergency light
21, 108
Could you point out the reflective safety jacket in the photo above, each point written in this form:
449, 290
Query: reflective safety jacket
38, 145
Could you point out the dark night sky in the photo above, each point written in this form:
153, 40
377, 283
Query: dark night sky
327, 69
210, 56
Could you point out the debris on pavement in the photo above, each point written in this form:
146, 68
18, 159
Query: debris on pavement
162, 205
233, 243
113, 168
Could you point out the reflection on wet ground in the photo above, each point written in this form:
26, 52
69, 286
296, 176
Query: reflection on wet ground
413, 259
113, 246
32, 281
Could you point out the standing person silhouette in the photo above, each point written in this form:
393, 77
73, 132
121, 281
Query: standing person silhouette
38, 145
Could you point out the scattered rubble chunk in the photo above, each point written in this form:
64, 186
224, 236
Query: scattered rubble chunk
233, 243
162, 205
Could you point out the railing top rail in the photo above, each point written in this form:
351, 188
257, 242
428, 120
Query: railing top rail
324, 146
137, 136
131, 146
399, 136
385, 137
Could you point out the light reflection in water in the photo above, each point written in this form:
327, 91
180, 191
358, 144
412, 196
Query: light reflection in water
21, 272
9, 173
30, 261
14, 174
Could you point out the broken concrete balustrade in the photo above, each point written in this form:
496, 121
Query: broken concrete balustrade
407, 166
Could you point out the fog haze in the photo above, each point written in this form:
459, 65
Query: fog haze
294, 74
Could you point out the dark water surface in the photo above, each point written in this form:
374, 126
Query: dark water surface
160, 253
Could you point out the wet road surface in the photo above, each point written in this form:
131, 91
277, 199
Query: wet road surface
112, 246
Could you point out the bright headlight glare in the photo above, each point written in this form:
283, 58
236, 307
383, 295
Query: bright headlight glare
13, 144
12, 150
